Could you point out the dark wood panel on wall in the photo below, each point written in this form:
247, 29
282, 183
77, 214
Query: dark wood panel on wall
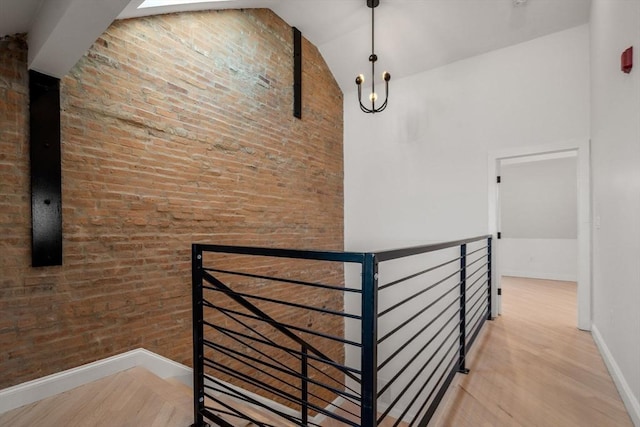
46, 176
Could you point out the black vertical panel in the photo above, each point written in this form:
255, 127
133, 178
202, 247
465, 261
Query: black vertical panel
46, 181
297, 73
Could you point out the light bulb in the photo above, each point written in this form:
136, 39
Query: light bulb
373, 97
360, 79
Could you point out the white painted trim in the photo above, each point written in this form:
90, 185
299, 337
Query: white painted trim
539, 275
51, 385
632, 404
584, 215
163, 367
41, 388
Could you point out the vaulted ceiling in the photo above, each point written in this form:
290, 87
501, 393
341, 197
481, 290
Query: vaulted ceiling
411, 35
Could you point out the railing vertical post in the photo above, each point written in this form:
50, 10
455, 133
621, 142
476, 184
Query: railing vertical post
198, 338
463, 310
489, 273
369, 355
304, 371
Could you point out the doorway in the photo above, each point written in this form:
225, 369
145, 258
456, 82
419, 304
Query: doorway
580, 151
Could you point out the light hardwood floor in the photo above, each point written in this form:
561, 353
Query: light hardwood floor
529, 367
131, 398
533, 367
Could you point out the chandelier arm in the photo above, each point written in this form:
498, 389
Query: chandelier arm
362, 107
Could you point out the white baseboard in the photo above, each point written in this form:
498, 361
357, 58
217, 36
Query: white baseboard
630, 401
41, 388
540, 275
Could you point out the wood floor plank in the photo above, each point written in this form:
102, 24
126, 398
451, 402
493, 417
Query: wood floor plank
530, 367
533, 367
132, 398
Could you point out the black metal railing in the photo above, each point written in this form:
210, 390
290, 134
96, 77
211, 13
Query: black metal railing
288, 337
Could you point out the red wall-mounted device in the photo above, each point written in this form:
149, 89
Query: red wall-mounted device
626, 60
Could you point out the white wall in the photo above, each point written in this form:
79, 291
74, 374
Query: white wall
417, 172
538, 199
551, 259
538, 218
615, 129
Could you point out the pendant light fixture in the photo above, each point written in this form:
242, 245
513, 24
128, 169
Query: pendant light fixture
373, 96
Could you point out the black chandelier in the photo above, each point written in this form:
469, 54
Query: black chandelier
373, 97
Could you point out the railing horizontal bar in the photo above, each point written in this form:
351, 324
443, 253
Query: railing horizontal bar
417, 294
210, 414
473, 324
281, 280
419, 352
450, 372
267, 342
403, 279
331, 414
353, 257
480, 258
255, 382
478, 328
455, 341
424, 328
233, 355
297, 354
213, 416
471, 318
284, 325
266, 387
476, 323
382, 256
280, 302
231, 352
242, 343
226, 352
481, 307
481, 299
435, 386
279, 324
420, 312
480, 288
232, 335
481, 248
483, 284
236, 394
470, 287
474, 317
262, 316
347, 370
483, 266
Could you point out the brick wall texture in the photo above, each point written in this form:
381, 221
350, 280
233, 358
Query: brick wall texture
175, 129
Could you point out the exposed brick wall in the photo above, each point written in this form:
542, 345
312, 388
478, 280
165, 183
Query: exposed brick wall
175, 129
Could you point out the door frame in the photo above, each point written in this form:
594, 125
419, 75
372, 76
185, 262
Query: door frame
582, 149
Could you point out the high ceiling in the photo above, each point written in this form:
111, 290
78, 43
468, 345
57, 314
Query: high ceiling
411, 35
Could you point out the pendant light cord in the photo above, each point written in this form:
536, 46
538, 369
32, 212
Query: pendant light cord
373, 62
